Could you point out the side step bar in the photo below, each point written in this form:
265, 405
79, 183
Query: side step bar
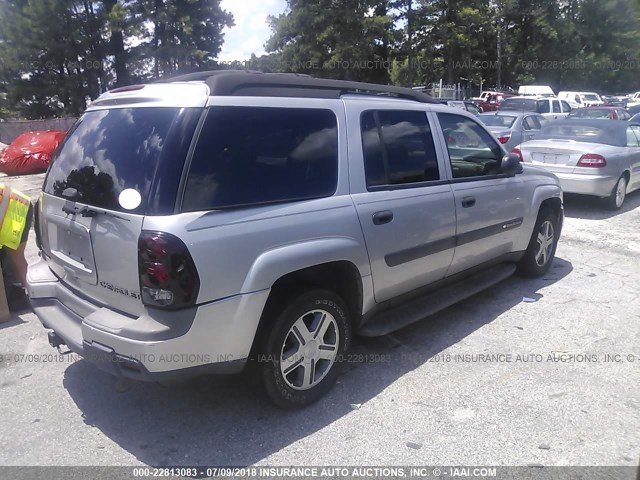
398, 317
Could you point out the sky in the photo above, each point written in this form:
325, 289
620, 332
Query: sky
251, 30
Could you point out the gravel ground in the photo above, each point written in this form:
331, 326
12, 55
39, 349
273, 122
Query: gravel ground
495, 380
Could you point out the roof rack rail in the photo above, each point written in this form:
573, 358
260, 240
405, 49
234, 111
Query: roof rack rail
252, 83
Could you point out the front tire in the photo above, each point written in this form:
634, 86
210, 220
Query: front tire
542, 247
618, 195
301, 354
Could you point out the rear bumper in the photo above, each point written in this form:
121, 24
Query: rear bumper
217, 340
597, 185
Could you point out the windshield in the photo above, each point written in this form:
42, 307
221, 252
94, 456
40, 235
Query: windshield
505, 121
110, 151
591, 97
592, 113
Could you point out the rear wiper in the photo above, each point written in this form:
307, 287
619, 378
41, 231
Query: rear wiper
90, 212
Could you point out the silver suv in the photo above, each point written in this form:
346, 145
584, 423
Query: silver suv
229, 218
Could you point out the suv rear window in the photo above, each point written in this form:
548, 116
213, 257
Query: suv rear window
109, 151
524, 104
259, 155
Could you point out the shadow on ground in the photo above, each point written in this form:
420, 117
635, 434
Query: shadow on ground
227, 421
592, 208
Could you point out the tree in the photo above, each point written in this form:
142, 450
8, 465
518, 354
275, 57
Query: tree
334, 38
180, 35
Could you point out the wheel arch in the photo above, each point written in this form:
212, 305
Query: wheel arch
341, 277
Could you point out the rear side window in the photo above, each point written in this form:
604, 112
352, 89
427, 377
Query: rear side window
252, 155
543, 106
109, 151
398, 148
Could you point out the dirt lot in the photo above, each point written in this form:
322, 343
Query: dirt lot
496, 380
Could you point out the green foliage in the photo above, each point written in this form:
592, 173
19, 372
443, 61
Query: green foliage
346, 39
56, 55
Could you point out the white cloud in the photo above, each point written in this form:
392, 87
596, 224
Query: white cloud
251, 30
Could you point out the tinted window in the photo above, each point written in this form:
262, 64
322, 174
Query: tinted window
472, 151
248, 156
543, 106
565, 106
525, 104
531, 123
398, 148
556, 106
109, 151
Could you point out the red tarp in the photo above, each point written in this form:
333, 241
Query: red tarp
30, 152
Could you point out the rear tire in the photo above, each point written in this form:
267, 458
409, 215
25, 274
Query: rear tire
618, 194
300, 355
542, 247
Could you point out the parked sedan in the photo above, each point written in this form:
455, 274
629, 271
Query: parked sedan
512, 128
590, 157
610, 113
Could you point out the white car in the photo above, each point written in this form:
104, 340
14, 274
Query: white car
551, 108
581, 99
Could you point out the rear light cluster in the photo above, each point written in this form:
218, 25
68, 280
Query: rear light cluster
518, 152
592, 160
168, 276
504, 139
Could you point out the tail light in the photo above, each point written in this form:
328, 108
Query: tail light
518, 152
168, 277
504, 139
592, 160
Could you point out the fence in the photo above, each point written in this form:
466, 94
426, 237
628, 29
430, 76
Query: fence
10, 130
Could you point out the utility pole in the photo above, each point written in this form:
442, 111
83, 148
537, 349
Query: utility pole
410, 41
499, 65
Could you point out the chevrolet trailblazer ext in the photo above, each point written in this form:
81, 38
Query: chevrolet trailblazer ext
194, 225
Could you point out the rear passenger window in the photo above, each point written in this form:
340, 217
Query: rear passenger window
565, 106
532, 123
251, 155
556, 106
543, 106
398, 148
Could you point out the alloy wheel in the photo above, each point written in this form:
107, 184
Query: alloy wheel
309, 349
546, 237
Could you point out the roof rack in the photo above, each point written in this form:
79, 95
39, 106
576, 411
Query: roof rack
252, 83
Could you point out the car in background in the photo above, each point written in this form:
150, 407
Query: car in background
513, 128
536, 91
590, 157
471, 107
634, 99
461, 104
492, 102
635, 118
615, 101
552, 108
606, 113
581, 99
634, 110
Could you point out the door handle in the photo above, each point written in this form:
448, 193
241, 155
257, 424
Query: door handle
468, 202
380, 218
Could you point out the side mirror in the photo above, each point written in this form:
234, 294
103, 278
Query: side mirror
511, 165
